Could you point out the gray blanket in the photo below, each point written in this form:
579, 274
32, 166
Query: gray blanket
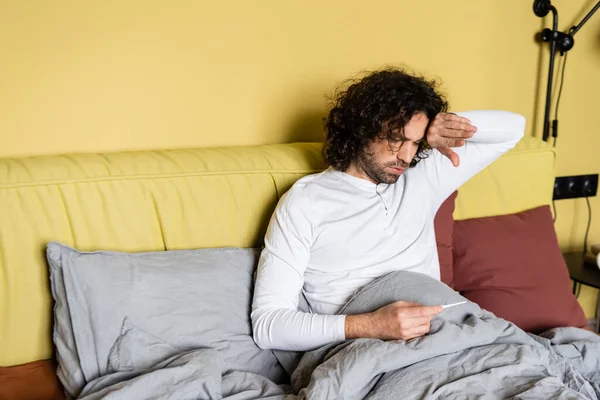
468, 354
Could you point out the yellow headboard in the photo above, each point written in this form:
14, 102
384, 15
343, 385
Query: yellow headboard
521, 179
176, 199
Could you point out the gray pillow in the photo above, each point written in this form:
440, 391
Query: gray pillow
187, 299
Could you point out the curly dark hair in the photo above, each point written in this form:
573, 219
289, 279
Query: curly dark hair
359, 112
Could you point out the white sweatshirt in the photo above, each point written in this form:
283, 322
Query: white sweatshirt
333, 233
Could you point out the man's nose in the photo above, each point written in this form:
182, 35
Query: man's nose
404, 153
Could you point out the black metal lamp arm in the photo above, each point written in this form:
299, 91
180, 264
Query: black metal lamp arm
577, 27
558, 41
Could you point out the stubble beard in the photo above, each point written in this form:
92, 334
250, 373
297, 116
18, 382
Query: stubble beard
377, 172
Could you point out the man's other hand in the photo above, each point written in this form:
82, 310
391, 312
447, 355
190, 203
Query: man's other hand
399, 320
447, 131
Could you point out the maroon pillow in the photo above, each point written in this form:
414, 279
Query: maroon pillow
444, 227
34, 380
512, 266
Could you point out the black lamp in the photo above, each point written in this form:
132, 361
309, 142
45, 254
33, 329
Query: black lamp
560, 41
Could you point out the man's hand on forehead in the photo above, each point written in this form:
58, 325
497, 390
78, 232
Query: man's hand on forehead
449, 130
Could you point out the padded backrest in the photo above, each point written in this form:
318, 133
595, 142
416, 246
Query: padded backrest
133, 201
177, 199
520, 180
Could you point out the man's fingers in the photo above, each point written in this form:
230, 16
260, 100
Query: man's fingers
452, 156
456, 134
454, 159
460, 126
416, 331
447, 151
411, 323
422, 311
453, 142
402, 303
454, 117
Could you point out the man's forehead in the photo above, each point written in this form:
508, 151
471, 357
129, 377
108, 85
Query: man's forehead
415, 133
413, 130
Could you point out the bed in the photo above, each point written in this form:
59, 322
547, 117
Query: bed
94, 246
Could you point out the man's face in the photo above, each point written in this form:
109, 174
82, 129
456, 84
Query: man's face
385, 159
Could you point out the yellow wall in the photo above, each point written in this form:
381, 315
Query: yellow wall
78, 76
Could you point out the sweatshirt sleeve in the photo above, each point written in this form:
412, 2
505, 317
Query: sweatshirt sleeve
276, 321
497, 132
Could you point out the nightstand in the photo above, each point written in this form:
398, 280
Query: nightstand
583, 272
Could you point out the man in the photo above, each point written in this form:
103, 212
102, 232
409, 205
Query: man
394, 156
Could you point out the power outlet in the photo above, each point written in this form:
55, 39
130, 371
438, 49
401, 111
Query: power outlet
573, 187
